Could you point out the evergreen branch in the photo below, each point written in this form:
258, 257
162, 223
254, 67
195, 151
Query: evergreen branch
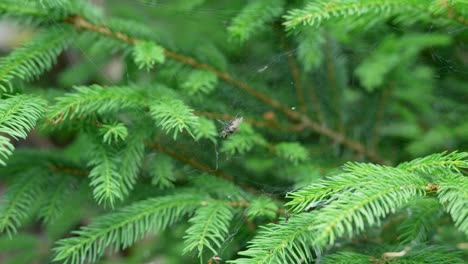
431, 254
146, 54
322, 191
209, 228
243, 141
52, 3
174, 116
317, 12
94, 99
453, 161
392, 53
306, 122
262, 207
18, 115
34, 57
281, 243
131, 159
105, 177
347, 257
293, 152
161, 170
124, 227
421, 220
58, 191
206, 129
253, 18
113, 133
351, 212
356, 173
426, 254
200, 82
453, 195
17, 202
22, 8
354, 210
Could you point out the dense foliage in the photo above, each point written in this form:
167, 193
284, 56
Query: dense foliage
342, 138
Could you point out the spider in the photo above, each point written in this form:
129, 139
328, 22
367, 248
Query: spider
231, 127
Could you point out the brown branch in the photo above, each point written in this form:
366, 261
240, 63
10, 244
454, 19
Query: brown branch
316, 104
68, 170
257, 123
293, 66
231, 80
190, 161
331, 75
80, 23
374, 137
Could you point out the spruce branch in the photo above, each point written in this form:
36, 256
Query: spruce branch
262, 207
58, 190
105, 177
348, 214
209, 228
200, 82
113, 132
453, 195
17, 202
253, 17
94, 99
146, 54
426, 254
34, 57
131, 159
206, 129
454, 162
124, 227
174, 116
22, 8
281, 243
82, 24
161, 170
421, 220
318, 12
18, 115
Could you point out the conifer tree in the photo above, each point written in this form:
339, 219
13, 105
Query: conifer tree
342, 138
